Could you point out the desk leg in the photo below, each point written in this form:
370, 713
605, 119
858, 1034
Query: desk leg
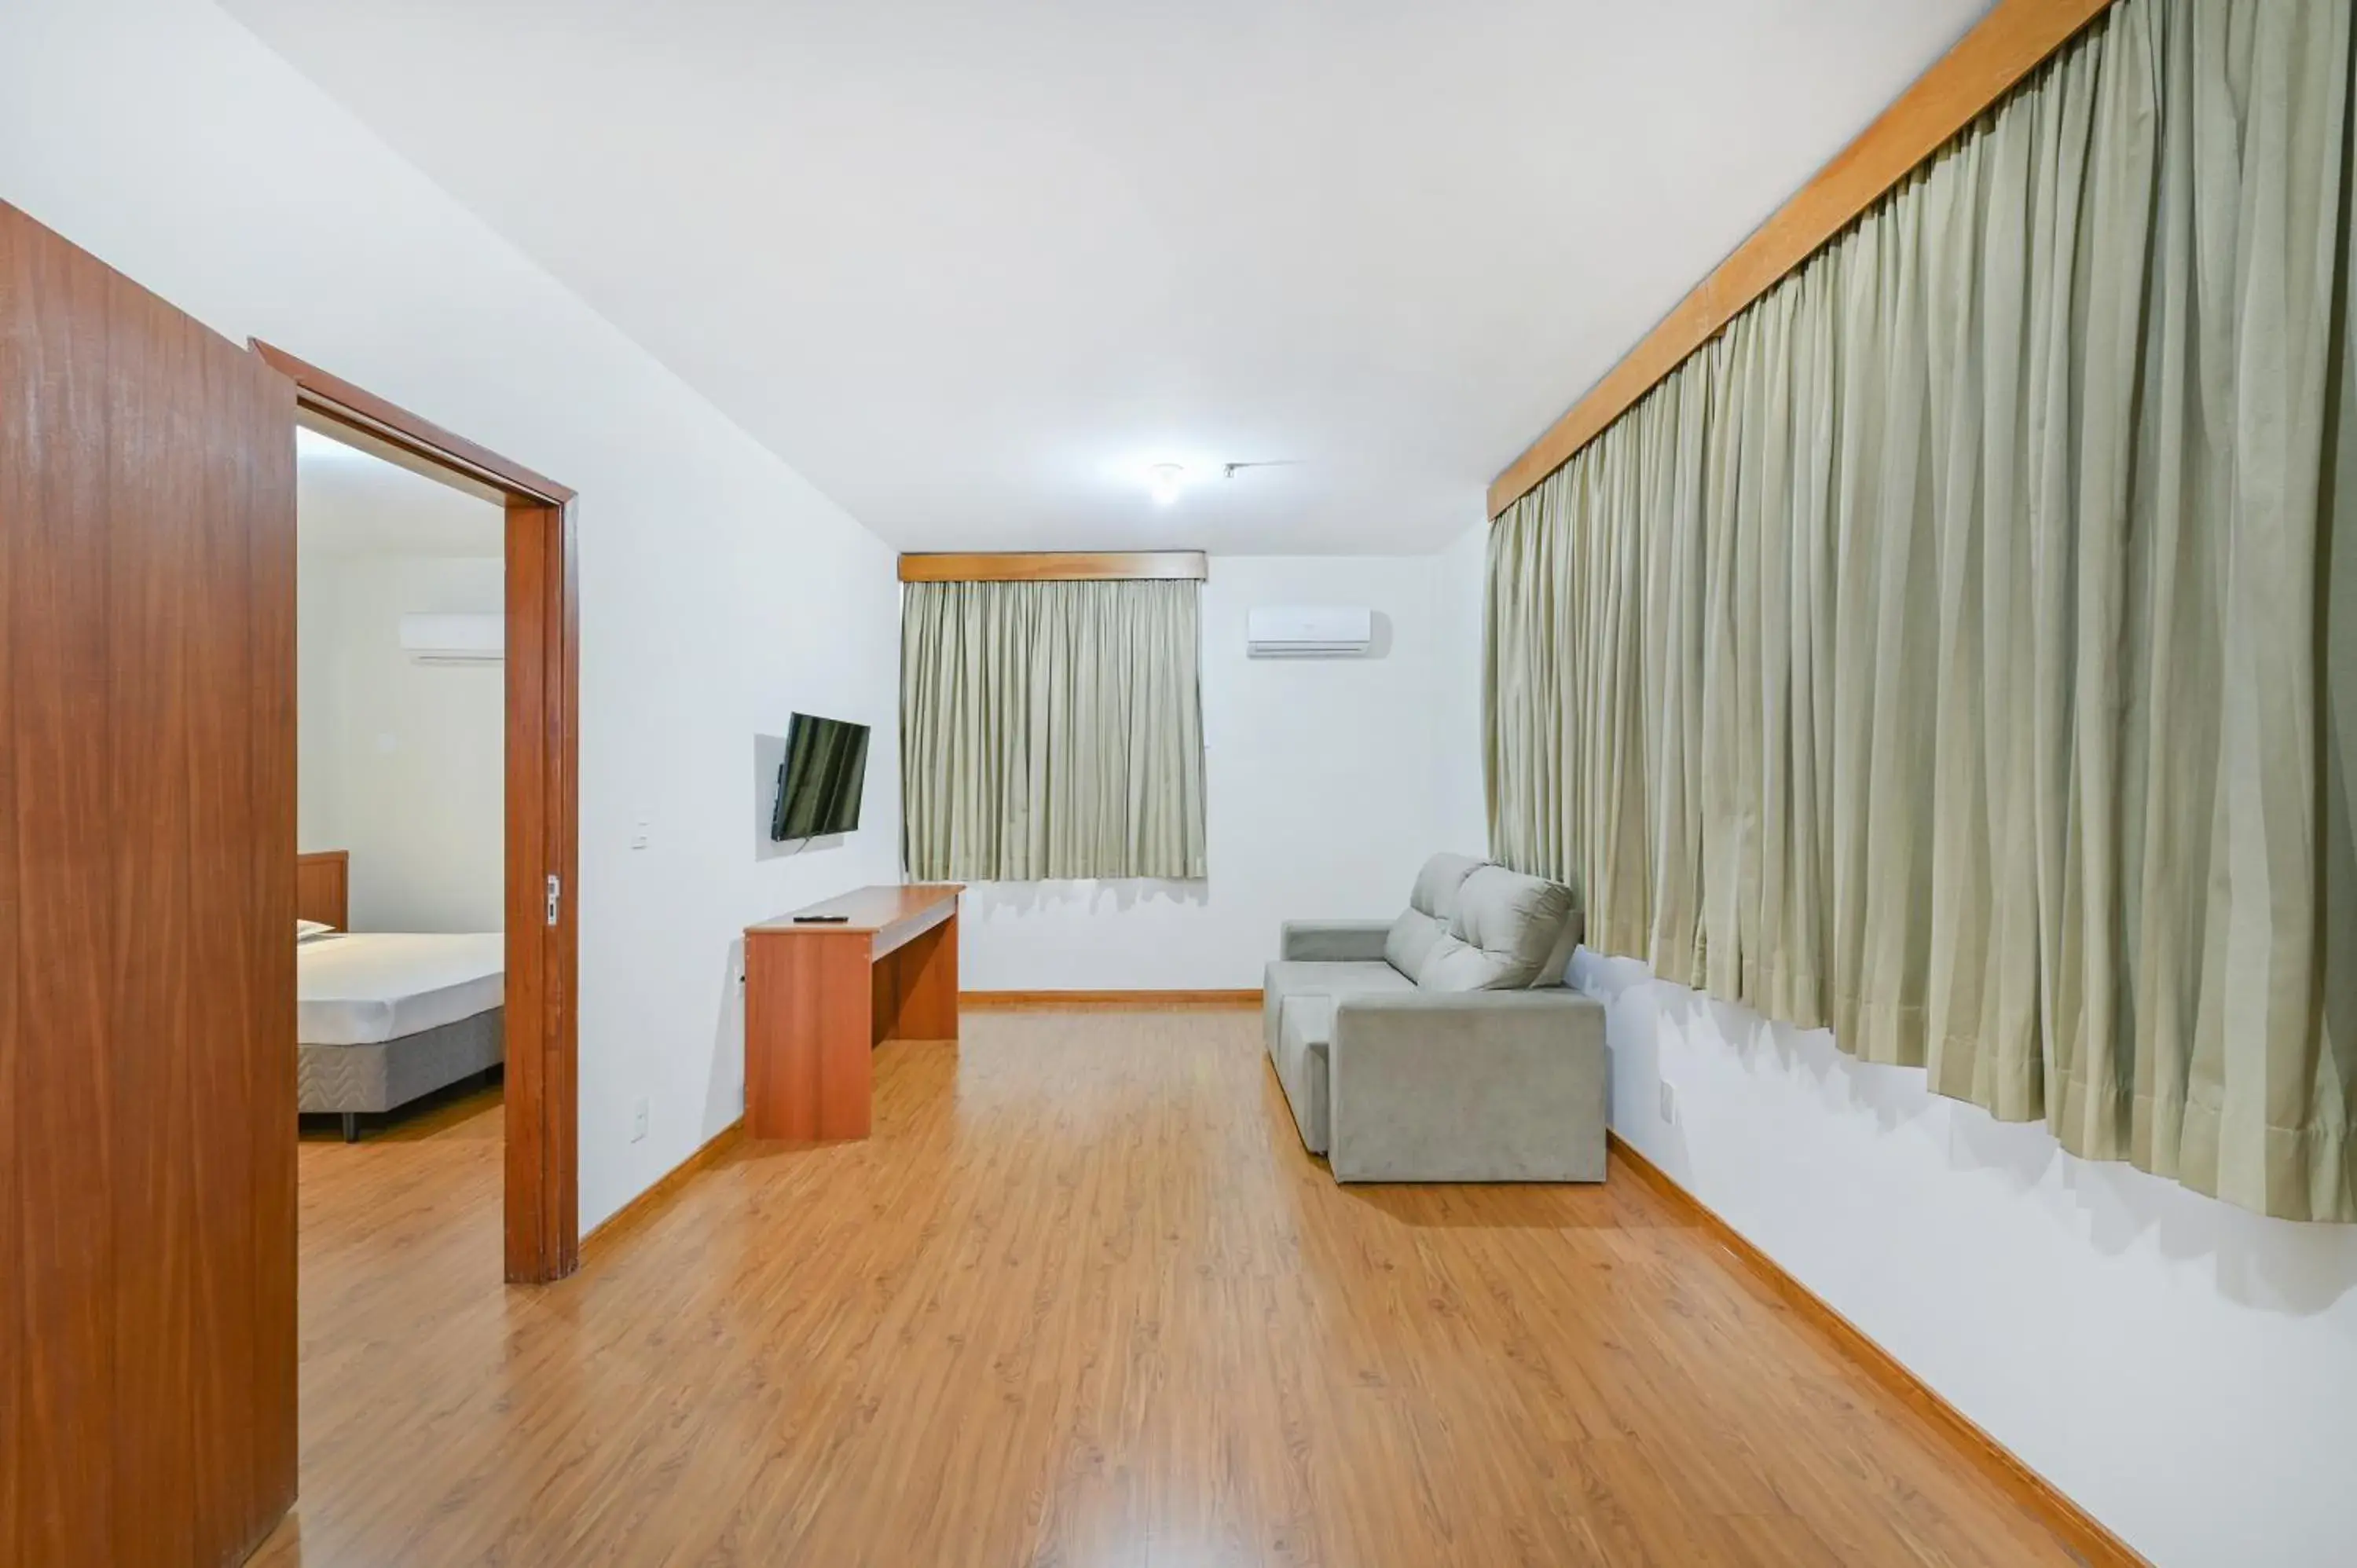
925, 981
809, 1072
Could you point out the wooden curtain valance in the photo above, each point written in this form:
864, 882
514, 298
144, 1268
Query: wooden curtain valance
2009, 42
1054, 566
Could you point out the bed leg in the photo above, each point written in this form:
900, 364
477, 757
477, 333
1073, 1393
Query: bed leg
351, 1127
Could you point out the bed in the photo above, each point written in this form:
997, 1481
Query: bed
383, 1017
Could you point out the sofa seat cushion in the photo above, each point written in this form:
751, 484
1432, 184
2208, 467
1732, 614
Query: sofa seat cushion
1304, 1068
1297, 977
1505, 932
1297, 1011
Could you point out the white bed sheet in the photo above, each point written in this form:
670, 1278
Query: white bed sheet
360, 988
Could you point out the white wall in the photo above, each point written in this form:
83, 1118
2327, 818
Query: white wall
719, 592
1326, 783
402, 763
2184, 1370
1459, 799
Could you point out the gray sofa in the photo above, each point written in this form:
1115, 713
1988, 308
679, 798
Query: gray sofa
1443, 1046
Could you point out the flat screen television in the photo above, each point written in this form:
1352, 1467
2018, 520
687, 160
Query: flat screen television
819, 781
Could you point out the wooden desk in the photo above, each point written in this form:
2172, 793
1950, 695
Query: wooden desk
820, 998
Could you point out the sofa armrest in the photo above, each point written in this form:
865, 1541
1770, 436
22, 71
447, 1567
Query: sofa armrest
1333, 941
1468, 1086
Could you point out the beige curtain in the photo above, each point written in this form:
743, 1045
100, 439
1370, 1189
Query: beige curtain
1050, 730
1956, 651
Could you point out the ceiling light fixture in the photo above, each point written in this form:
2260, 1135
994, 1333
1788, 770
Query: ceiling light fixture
1166, 478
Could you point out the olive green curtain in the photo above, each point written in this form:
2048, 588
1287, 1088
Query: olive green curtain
1050, 730
1957, 651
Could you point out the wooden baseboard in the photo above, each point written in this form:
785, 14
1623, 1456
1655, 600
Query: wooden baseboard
2074, 1526
715, 1149
1142, 1001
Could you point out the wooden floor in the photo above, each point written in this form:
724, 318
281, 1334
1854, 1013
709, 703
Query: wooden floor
1082, 1301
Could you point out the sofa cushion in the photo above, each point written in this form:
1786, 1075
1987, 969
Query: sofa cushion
1288, 978
1505, 927
1423, 926
1566, 943
1438, 884
1409, 946
1304, 1068
1457, 965
1297, 1000
1314, 977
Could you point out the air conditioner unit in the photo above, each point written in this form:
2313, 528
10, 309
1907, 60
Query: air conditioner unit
455, 638
1309, 631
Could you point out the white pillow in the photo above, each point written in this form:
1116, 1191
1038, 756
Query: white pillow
306, 929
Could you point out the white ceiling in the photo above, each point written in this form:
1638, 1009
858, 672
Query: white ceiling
349, 503
970, 267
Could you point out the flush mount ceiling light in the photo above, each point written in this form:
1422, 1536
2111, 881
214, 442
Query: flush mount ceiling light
1166, 480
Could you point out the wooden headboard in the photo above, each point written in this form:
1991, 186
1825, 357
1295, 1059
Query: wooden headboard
323, 887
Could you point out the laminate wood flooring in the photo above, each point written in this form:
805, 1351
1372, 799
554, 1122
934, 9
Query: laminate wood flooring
1083, 1301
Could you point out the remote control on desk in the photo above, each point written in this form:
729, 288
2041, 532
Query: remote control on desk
820, 920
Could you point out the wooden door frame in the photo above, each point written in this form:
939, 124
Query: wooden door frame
543, 836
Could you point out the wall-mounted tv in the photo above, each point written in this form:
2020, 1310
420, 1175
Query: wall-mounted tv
818, 782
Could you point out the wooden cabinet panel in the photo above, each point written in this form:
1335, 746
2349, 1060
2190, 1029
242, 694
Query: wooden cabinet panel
810, 1023
820, 998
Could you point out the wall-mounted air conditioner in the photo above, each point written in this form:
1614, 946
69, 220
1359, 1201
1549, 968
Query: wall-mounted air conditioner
455, 638
1309, 631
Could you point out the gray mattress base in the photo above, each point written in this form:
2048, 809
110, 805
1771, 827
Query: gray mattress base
393, 1072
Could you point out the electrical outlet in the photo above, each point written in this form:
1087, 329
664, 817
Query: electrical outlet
638, 1122
1669, 1102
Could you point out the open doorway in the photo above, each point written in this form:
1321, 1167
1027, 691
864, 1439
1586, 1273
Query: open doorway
501, 574
400, 892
